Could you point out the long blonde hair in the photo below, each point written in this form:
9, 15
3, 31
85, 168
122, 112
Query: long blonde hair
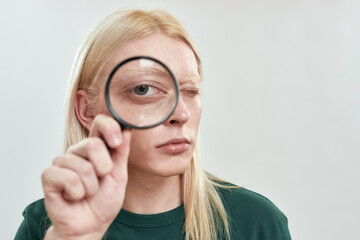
205, 215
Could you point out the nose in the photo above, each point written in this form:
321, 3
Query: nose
181, 114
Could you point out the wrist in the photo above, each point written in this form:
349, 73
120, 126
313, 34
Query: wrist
52, 234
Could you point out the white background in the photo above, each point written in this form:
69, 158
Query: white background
281, 100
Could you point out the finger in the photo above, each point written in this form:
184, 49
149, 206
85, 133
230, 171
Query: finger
58, 181
108, 129
94, 150
84, 168
120, 157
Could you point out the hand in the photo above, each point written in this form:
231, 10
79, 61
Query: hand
85, 188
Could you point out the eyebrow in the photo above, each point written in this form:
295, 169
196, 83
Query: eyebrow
189, 80
145, 71
130, 73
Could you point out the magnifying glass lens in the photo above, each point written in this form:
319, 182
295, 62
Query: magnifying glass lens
142, 92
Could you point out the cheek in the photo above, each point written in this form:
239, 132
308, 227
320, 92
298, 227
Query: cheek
142, 144
141, 139
195, 108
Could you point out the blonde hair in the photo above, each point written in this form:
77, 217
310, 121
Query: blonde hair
205, 215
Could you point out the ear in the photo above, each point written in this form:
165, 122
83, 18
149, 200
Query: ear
84, 112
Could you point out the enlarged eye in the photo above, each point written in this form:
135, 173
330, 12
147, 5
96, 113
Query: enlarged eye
141, 90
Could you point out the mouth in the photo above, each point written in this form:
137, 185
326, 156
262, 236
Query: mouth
174, 146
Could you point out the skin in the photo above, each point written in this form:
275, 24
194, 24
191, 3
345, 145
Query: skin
86, 187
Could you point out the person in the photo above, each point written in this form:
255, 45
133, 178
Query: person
114, 183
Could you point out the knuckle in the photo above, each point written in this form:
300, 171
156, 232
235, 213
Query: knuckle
108, 166
71, 149
93, 189
72, 179
77, 146
57, 160
112, 127
74, 148
94, 144
98, 120
105, 123
45, 174
104, 169
86, 168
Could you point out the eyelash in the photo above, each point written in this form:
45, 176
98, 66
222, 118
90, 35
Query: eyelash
190, 92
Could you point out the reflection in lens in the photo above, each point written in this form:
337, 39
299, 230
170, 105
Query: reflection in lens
142, 92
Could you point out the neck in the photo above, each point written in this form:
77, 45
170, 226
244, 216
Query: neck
149, 194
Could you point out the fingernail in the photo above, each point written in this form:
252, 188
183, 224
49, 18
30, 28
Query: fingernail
116, 140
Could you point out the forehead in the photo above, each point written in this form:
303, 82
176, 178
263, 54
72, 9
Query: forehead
177, 55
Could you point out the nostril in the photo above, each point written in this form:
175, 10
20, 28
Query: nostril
173, 121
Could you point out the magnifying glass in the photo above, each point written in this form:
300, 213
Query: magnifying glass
141, 92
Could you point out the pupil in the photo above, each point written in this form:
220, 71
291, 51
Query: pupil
141, 90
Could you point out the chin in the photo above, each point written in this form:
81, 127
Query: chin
172, 172
168, 167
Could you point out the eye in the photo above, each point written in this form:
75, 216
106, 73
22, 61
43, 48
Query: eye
145, 90
142, 89
190, 92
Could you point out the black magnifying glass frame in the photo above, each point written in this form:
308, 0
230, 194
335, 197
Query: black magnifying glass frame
124, 124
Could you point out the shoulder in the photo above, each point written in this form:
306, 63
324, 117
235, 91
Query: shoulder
253, 216
36, 220
249, 202
35, 208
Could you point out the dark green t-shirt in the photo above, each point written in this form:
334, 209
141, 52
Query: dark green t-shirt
251, 217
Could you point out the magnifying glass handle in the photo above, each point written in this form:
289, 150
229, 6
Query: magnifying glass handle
124, 127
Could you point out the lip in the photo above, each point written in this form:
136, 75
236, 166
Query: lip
174, 146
